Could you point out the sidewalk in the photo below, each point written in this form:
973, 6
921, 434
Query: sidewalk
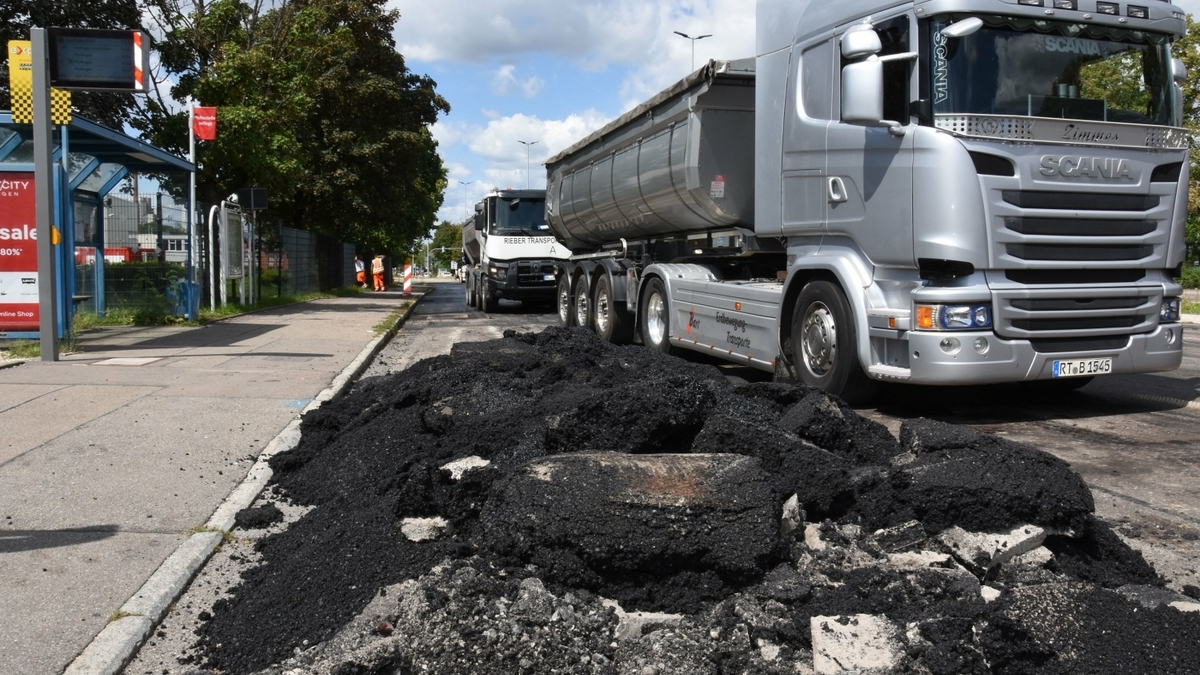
109, 457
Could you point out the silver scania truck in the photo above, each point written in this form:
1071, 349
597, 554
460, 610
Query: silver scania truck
937, 192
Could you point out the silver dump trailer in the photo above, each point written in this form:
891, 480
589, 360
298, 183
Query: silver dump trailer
470, 243
933, 193
681, 163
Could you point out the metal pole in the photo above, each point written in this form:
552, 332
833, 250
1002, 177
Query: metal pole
527, 145
43, 185
191, 222
211, 250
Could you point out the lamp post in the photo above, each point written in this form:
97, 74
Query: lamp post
527, 144
465, 183
693, 39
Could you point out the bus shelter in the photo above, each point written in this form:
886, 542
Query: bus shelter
90, 161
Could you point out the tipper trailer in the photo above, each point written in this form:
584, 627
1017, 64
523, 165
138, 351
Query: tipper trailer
508, 251
934, 192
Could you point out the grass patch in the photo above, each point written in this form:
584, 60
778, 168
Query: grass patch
1191, 308
390, 320
118, 615
24, 349
226, 535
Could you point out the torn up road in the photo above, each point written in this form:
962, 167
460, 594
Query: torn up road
553, 503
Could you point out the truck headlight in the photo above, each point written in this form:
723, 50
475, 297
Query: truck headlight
954, 317
1169, 313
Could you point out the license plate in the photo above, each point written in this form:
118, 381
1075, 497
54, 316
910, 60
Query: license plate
1082, 367
547, 277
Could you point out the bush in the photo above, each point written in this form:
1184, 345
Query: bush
1190, 277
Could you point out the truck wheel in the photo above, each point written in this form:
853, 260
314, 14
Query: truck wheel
486, 302
825, 346
583, 303
655, 316
611, 323
469, 290
564, 300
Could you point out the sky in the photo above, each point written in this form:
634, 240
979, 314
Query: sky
549, 72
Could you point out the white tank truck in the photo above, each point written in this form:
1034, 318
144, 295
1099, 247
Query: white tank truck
508, 250
937, 192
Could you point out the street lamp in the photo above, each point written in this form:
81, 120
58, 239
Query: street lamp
527, 144
693, 39
468, 206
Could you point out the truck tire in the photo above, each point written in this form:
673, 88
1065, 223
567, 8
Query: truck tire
565, 315
582, 301
610, 322
825, 345
470, 292
654, 316
486, 302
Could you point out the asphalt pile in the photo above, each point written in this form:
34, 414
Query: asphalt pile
552, 503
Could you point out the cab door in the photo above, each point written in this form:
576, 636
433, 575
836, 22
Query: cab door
869, 182
807, 115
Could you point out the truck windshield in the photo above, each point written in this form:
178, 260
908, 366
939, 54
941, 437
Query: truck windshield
517, 215
1056, 69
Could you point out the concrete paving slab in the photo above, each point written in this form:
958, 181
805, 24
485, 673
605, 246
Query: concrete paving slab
39, 420
59, 590
144, 454
114, 470
16, 394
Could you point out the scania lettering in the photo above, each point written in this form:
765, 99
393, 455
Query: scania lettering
932, 192
508, 251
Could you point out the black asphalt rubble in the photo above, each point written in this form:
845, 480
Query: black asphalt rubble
552, 503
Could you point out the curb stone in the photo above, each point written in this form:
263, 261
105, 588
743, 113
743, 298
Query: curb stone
113, 648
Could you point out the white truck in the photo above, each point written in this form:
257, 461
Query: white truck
508, 251
937, 192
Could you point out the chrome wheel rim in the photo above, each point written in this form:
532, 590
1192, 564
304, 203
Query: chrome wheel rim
602, 309
564, 301
656, 318
819, 340
581, 306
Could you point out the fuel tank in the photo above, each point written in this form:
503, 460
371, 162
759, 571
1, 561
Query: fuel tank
681, 162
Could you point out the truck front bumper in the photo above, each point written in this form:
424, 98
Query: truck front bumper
522, 280
1018, 360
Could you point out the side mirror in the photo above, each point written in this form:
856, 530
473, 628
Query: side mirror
1178, 72
859, 42
862, 92
479, 208
961, 28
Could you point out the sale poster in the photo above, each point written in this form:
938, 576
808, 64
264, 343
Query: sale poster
18, 254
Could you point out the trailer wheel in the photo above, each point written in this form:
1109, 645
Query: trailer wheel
825, 346
612, 325
654, 315
564, 300
583, 303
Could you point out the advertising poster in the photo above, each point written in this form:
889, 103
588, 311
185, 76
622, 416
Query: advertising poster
18, 254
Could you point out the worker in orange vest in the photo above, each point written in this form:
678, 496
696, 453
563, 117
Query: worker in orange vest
377, 272
360, 272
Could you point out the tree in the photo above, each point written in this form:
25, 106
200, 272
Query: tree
17, 16
315, 104
448, 236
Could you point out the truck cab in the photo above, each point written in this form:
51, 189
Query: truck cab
509, 251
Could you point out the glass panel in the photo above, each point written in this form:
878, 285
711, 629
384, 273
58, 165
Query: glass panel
1053, 69
99, 177
520, 216
85, 223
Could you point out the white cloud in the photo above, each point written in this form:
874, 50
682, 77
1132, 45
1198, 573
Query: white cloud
496, 146
505, 82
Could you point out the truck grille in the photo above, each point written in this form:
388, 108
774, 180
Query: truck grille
1072, 265
1073, 313
533, 273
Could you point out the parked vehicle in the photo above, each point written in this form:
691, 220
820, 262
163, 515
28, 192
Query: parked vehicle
932, 192
508, 250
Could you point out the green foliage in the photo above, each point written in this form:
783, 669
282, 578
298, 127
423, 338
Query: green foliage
448, 236
1187, 49
1190, 277
314, 104
16, 16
